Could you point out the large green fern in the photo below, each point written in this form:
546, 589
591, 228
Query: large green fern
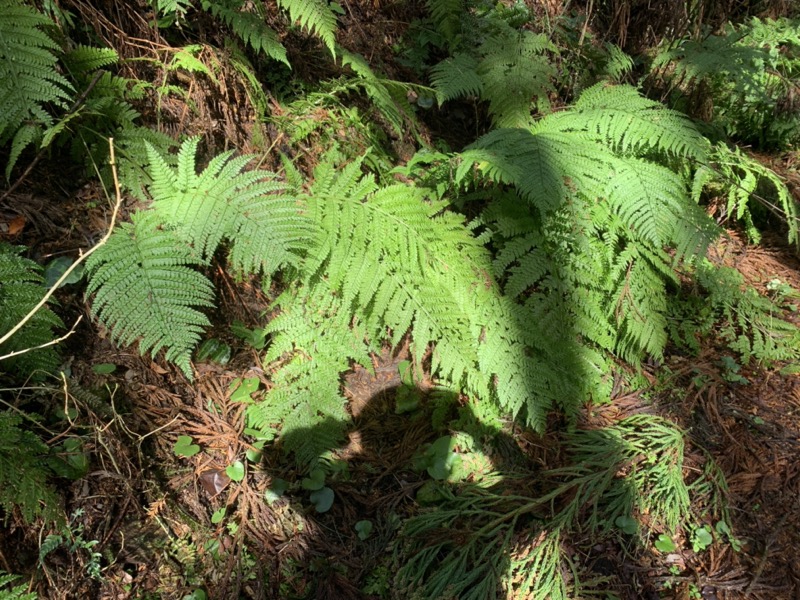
588, 255
146, 289
144, 278
403, 264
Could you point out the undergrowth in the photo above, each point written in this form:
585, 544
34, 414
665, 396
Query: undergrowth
564, 245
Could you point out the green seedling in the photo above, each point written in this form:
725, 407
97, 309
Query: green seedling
254, 454
68, 459
322, 499
364, 529
235, 471
185, 447
731, 371
57, 267
104, 368
627, 525
440, 459
218, 515
665, 544
276, 490
256, 338
722, 529
701, 539
315, 480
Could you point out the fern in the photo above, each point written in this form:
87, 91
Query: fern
20, 290
589, 259
748, 76
17, 592
225, 202
250, 27
447, 16
144, 278
24, 472
108, 112
316, 16
747, 183
312, 344
146, 289
86, 59
510, 70
32, 82
403, 265
750, 324
388, 96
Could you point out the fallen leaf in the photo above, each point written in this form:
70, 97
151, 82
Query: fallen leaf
16, 225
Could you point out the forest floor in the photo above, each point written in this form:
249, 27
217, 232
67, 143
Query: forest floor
150, 510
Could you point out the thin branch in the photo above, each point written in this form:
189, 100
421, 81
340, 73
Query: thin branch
45, 345
82, 257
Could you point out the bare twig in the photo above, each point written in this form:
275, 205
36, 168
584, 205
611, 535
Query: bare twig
81, 258
45, 345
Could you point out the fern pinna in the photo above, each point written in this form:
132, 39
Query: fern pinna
145, 280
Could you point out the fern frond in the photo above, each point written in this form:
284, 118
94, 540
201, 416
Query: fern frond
751, 324
543, 166
389, 97
24, 472
24, 137
266, 228
516, 71
316, 16
402, 266
312, 345
447, 16
619, 116
510, 70
17, 592
456, 77
20, 290
747, 182
146, 290
618, 63
587, 259
749, 76
28, 69
250, 27
85, 59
